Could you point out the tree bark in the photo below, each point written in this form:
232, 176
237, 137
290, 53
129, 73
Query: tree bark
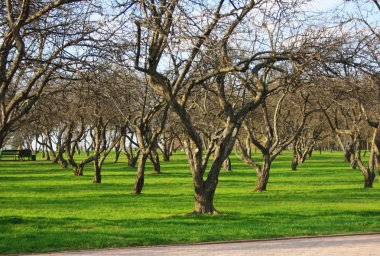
369, 173
55, 160
204, 201
63, 164
155, 160
3, 135
227, 164
117, 154
294, 161
140, 174
78, 171
376, 149
132, 161
263, 175
310, 151
97, 169
368, 180
347, 156
295, 157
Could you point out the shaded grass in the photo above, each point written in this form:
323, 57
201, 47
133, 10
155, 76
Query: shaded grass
44, 208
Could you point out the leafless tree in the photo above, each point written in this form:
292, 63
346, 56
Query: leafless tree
37, 40
273, 128
192, 46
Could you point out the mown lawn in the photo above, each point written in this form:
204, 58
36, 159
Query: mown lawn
44, 208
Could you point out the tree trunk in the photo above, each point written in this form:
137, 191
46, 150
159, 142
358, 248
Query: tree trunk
140, 174
294, 163
133, 161
204, 201
117, 155
78, 171
248, 147
63, 164
310, 152
55, 160
263, 175
62, 161
227, 164
155, 160
3, 135
97, 169
167, 148
376, 150
353, 162
77, 149
295, 158
369, 173
166, 155
347, 156
368, 180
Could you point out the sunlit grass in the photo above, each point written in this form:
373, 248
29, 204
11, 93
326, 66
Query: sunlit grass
44, 208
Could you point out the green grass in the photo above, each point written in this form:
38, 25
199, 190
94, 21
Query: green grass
44, 208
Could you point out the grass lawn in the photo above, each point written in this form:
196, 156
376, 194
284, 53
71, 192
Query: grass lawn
44, 208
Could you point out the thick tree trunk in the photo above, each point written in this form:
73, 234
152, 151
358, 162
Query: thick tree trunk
368, 180
227, 164
204, 190
97, 169
263, 175
204, 201
140, 174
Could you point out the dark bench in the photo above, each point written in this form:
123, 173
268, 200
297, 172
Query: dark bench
16, 154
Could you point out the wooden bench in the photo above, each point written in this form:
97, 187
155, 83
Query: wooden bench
16, 154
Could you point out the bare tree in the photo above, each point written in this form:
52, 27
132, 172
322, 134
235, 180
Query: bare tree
36, 47
202, 50
266, 133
